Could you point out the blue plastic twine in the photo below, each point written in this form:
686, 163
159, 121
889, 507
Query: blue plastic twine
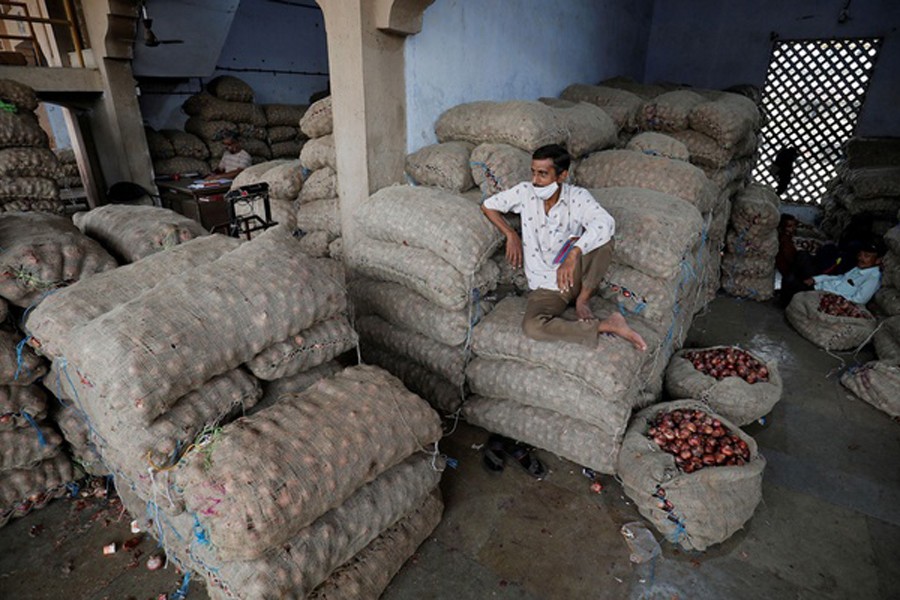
30, 419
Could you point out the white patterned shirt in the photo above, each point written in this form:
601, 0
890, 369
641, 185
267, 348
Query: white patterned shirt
232, 161
577, 213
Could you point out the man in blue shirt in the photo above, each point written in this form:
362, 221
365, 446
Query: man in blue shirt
857, 285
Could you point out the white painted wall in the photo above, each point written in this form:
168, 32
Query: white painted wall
715, 44
517, 50
279, 49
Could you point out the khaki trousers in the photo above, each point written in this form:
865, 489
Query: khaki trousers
543, 320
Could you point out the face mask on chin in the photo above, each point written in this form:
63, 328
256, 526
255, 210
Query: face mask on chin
546, 192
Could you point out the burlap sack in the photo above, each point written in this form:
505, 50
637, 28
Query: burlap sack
186, 144
336, 249
286, 149
732, 397
159, 145
883, 207
619, 104
872, 182
824, 330
320, 215
208, 131
430, 219
525, 125
877, 383
318, 121
669, 111
282, 115
738, 170
76, 433
285, 178
52, 207
145, 354
887, 299
305, 350
442, 395
498, 167
318, 153
315, 243
274, 391
320, 185
67, 308
181, 165
131, 233
24, 489
421, 271
19, 94
623, 168
21, 130
709, 505
43, 252
728, 119
255, 173
751, 267
887, 339
738, 285
29, 189
230, 88
447, 361
892, 239
755, 211
253, 131
17, 401
368, 574
405, 308
442, 165
654, 230
658, 144
29, 162
588, 128
636, 293
282, 133
745, 245
704, 150
643, 90
210, 108
26, 447
348, 429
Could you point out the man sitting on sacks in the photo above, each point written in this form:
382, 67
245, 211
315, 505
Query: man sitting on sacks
567, 245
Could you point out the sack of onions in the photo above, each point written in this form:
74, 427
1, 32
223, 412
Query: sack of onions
830, 321
692, 473
887, 339
740, 386
877, 383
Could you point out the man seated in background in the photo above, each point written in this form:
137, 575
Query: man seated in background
234, 160
857, 285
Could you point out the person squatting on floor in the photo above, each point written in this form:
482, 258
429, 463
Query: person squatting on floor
566, 245
566, 248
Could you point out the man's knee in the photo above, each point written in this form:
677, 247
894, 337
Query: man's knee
533, 328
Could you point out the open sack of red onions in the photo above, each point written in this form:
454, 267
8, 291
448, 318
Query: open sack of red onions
829, 321
737, 384
696, 488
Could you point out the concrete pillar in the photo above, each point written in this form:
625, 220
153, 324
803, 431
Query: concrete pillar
365, 56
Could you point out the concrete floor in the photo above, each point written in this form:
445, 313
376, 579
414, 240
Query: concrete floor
828, 526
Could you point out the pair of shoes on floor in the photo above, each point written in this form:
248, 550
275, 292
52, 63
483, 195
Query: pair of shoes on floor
498, 448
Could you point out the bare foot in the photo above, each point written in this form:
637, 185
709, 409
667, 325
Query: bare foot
583, 311
616, 325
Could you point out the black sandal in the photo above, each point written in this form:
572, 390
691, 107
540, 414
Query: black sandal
492, 454
523, 456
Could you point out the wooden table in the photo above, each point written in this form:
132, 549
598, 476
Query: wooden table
206, 204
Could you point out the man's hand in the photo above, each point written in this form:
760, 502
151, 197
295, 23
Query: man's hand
565, 273
514, 249
809, 281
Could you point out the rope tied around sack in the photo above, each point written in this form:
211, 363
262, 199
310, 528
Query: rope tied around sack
25, 276
20, 364
42, 441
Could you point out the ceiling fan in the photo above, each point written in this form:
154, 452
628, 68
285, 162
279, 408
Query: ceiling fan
150, 39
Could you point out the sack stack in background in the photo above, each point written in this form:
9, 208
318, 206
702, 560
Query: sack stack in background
33, 468
425, 259
318, 207
69, 175
283, 132
285, 180
28, 168
877, 382
748, 267
132, 232
868, 197
887, 298
159, 395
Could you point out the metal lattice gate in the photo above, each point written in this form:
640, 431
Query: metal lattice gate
812, 97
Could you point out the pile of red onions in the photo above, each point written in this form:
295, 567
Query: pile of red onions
697, 440
838, 306
728, 362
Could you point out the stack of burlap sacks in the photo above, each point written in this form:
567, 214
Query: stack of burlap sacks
285, 180
751, 244
69, 175
158, 357
318, 208
283, 132
870, 194
176, 152
227, 105
887, 298
28, 168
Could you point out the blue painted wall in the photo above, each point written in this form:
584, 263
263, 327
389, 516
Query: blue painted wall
517, 49
282, 44
714, 44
